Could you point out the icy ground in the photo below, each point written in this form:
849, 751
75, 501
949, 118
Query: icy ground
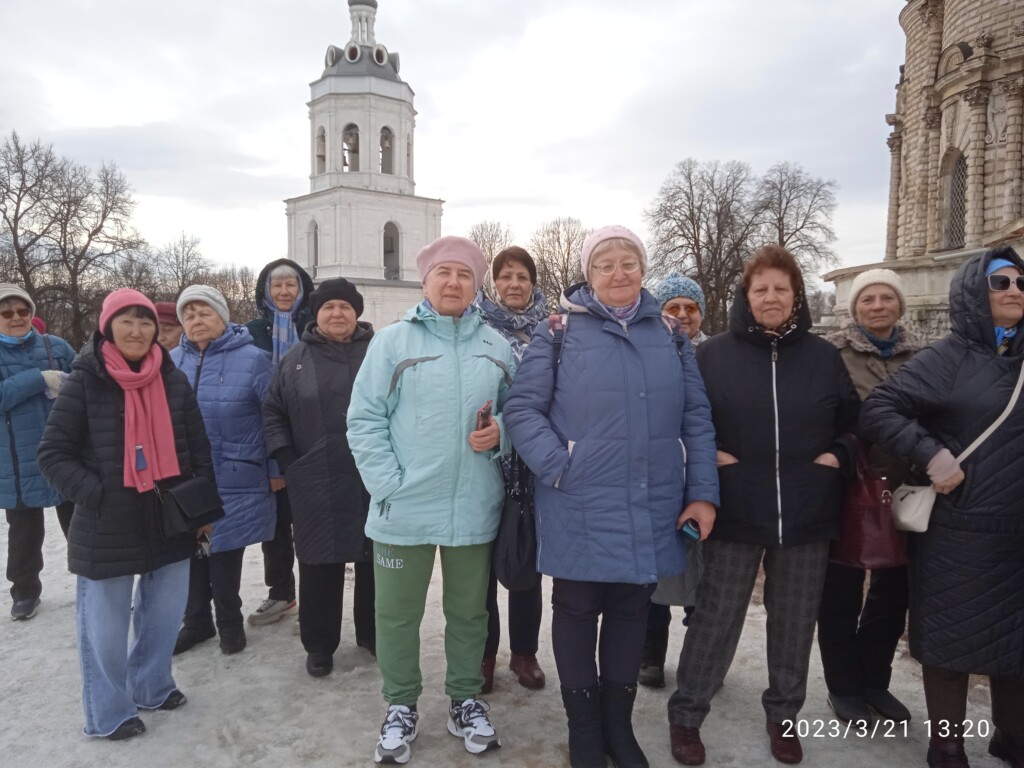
259, 708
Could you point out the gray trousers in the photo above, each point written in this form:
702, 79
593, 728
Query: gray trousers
792, 592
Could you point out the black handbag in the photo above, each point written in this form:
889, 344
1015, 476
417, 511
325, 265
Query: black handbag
515, 548
188, 505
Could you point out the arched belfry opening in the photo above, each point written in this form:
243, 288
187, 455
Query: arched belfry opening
314, 247
321, 150
392, 255
387, 151
350, 148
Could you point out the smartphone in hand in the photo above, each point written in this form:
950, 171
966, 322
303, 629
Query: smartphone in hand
483, 416
690, 530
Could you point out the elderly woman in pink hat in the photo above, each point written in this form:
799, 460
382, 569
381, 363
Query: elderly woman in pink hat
425, 428
609, 411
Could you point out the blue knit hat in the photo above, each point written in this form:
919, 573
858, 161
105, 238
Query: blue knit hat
674, 285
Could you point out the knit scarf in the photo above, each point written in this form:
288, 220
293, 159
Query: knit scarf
149, 452
885, 347
283, 332
623, 314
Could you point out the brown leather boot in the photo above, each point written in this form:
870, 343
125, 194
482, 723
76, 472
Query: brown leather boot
487, 669
947, 752
785, 743
687, 748
528, 670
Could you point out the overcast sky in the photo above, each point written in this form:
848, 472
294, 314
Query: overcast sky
527, 109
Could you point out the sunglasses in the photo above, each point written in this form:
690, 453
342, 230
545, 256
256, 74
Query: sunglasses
7, 314
995, 283
675, 310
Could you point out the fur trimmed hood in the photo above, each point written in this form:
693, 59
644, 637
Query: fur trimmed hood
849, 335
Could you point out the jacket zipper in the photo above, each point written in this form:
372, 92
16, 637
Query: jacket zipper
458, 427
14, 459
775, 406
629, 474
199, 369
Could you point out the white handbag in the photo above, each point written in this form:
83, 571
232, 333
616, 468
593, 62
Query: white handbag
912, 504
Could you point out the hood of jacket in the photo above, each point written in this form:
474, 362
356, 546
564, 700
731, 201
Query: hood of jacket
580, 298
969, 312
234, 336
849, 335
261, 290
742, 324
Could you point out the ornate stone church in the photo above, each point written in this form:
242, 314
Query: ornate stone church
956, 149
362, 219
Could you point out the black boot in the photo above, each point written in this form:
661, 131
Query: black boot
583, 709
652, 665
617, 726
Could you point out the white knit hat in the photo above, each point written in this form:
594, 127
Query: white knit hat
877, 277
12, 291
208, 295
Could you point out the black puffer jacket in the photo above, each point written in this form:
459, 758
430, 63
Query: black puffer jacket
115, 530
948, 395
262, 328
304, 419
777, 404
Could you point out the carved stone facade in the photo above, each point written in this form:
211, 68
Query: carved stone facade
362, 219
956, 144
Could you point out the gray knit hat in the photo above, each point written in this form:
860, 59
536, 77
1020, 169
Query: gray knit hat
12, 291
208, 295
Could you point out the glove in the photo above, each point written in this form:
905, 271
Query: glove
942, 467
53, 380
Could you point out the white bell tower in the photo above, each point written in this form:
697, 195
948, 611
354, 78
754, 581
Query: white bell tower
362, 219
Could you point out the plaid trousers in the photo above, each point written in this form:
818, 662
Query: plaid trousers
794, 578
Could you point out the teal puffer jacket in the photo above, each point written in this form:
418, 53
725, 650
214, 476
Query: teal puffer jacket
413, 406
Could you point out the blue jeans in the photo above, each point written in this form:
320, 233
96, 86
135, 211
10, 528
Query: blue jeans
118, 679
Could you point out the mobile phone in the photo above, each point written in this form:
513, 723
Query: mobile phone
690, 530
204, 546
483, 416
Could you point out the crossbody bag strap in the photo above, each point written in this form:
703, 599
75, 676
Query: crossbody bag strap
49, 351
995, 424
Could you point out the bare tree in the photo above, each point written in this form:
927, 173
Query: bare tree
181, 262
820, 302
556, 246
797, 211
237, 284
493, 237
703, 224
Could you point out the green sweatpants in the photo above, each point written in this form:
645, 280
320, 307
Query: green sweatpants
402, 575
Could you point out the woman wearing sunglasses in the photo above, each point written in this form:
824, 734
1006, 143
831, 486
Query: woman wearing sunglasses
32, 367
967, 569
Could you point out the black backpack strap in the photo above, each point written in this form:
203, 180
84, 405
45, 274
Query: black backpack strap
557, 325
49, 351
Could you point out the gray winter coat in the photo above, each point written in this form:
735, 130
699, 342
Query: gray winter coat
305, 422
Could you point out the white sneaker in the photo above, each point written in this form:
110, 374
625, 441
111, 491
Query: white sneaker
468, 720
397, 733
271, 611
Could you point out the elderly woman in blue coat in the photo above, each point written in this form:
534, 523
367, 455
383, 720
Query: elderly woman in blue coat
230, 377
616, 426
32, 367
429, 459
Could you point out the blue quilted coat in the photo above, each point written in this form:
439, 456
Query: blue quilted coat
230, 378
620, 440
25, 409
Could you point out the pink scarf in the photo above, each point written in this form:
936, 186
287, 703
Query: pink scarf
149, 452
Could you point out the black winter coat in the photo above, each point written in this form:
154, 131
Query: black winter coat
115, 530
261, 329
304, 419
967, 569
777, 404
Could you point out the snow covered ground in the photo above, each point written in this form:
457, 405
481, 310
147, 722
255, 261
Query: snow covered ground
259, 708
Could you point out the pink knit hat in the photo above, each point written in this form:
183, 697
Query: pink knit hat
120, 299
451, 248
610, 233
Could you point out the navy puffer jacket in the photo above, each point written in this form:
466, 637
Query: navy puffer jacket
230, 379
620, 440
115, 530
25, 409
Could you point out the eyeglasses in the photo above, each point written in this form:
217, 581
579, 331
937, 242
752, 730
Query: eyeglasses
995, 283
608, 267
676, 310
7, 314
